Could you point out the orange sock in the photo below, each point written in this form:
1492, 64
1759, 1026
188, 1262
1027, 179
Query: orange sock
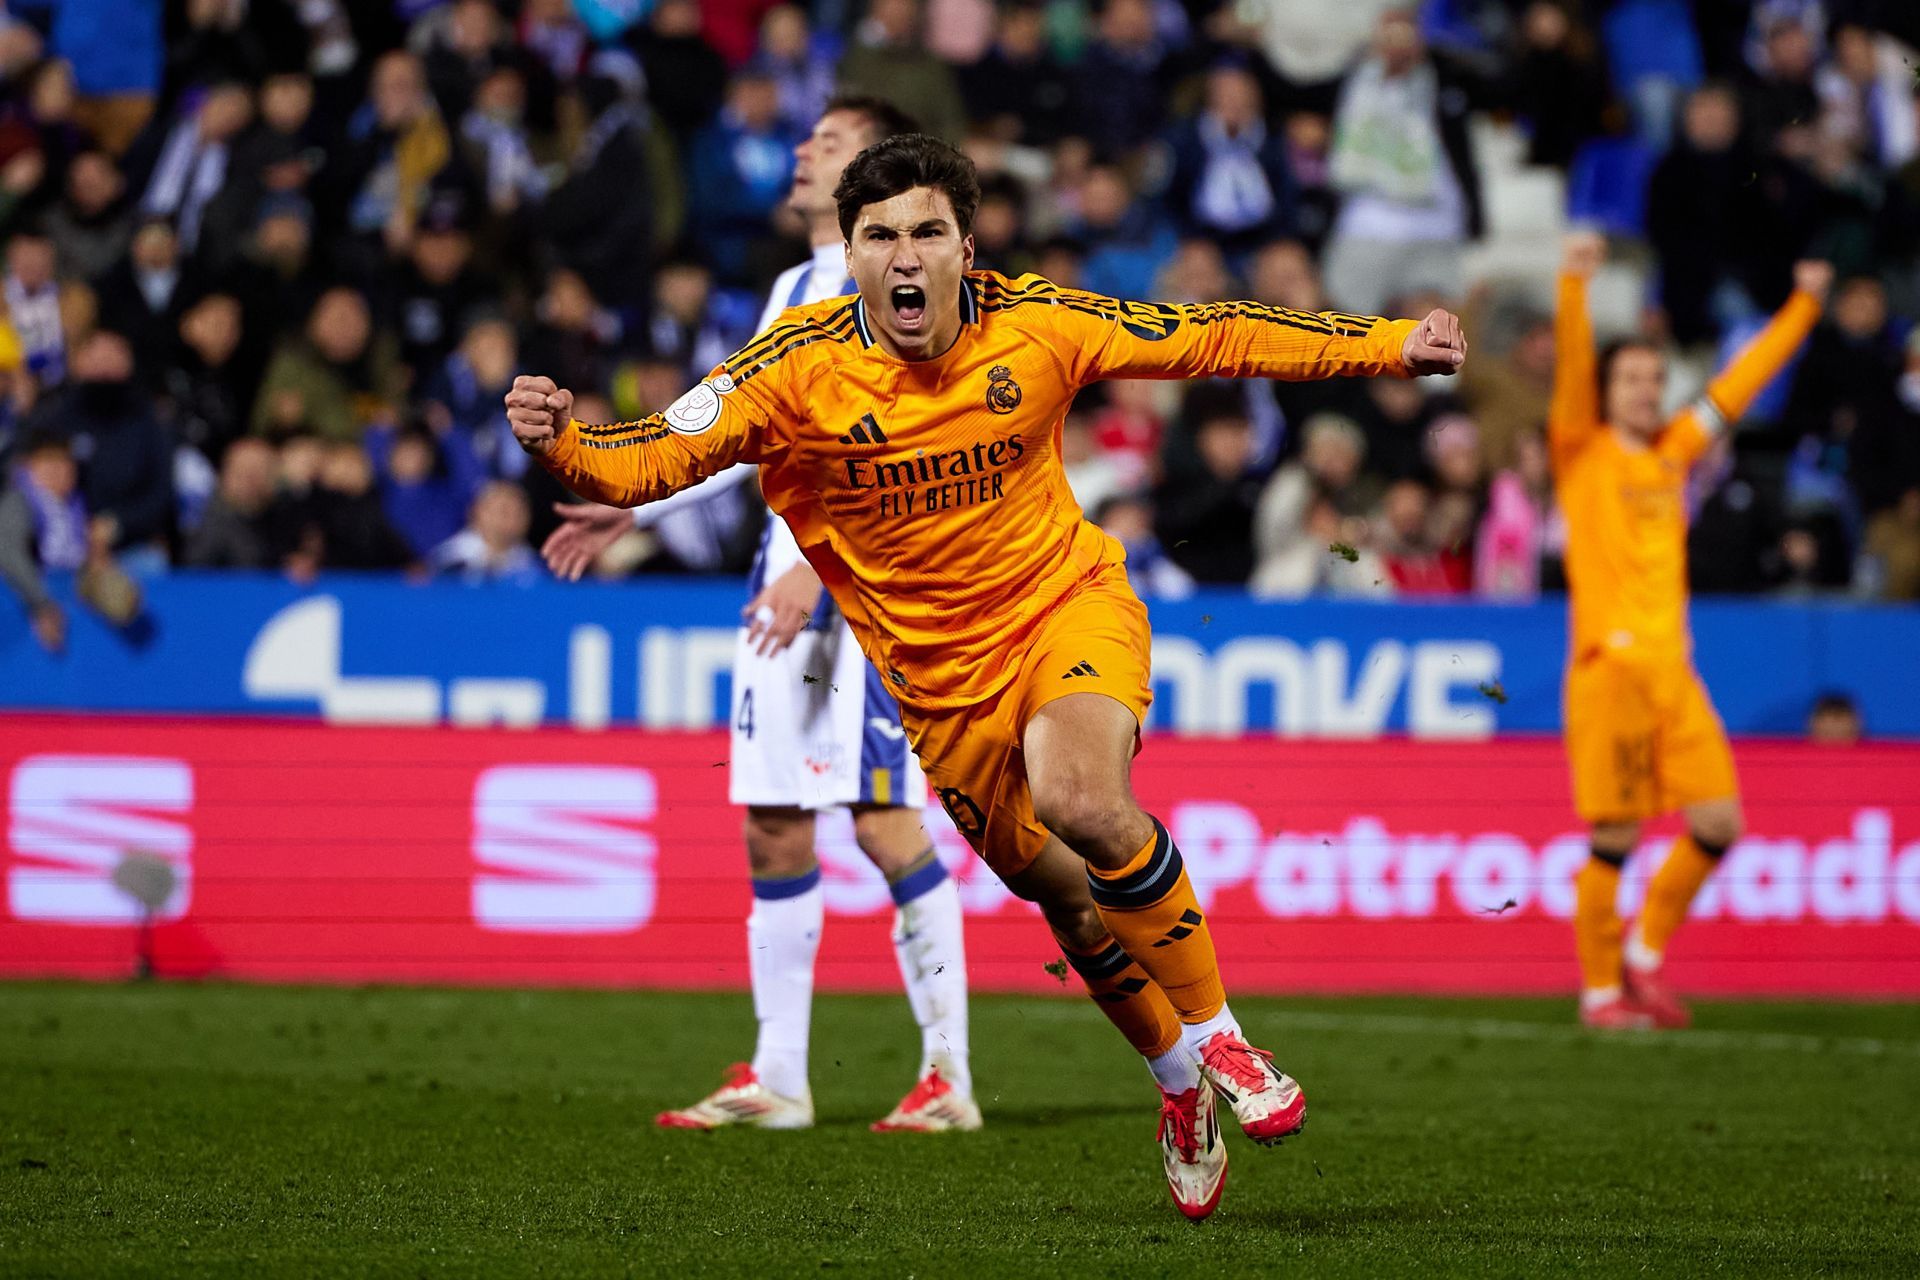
1127, 996
1149, 905
1671, 892
1596, 922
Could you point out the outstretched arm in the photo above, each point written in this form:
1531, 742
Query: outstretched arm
713, 426
1696, 427
1100, 337
1573, 415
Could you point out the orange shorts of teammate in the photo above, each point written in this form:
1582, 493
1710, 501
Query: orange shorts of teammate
1095, 641
1643, 739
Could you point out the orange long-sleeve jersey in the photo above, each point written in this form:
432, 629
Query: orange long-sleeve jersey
930, 495
1625, 503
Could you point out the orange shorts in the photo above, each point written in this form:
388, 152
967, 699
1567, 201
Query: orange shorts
1643, 739
1095, 641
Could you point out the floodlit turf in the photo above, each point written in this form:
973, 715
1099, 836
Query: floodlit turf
250, 1131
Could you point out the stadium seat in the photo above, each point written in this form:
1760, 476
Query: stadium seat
1607, 186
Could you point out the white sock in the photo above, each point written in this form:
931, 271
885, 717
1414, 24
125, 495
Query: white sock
1641, 956
1176, 1070
929, 941
1594, 997
783, 935
1198, 1033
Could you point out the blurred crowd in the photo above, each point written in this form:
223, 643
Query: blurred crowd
269, 265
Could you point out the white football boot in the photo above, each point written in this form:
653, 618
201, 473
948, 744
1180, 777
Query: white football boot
1190, 1143
742, 1100
931, 1106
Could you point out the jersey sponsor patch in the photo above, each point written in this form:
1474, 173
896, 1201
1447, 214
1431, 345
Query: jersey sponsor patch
698, 409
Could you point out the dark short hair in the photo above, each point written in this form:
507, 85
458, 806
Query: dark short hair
896, 165
1612, 352
884, 120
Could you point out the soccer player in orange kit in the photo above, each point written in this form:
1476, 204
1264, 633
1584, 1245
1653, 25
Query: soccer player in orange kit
1642, 737
910, 437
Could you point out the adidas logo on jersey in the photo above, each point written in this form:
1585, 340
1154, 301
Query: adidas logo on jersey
865, 431
1082, 668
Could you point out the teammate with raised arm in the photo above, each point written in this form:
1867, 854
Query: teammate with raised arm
910, 437
813, 727
1642, 737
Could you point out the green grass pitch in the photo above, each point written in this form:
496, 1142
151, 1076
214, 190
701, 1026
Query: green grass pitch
224, 1130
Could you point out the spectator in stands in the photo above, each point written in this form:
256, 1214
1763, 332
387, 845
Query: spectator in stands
1093, 474
1403, 164
1205, 502
108, 420
1230, 182
464, 402
886, 59
493, 546
742, 169
1129, 518
1018, 92
572, 333
1311, 44
237, 529
43, 528
277, 279
435, 288
91, 225
599, 220
32, 297
1117, 93
1512, 537
1848, 381
1320, 498
685, 76
1125, 244
459, 44
193, 162
1696, 205
1867, 98
140, 297
397, 145
423, 497
213, 375
497, 146
1782, 93
1835, 721
117, 46
332, 380
1892, 548
683, 327
1558, 82
353, 531
801, 67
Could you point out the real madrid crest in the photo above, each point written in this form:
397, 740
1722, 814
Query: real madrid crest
1003, 393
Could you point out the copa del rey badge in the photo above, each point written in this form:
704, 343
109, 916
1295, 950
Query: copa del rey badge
698, 409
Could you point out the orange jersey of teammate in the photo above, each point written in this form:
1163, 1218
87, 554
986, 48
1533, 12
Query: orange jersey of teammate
1624, 502
930, 495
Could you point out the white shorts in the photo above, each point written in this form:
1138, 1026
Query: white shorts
814, 727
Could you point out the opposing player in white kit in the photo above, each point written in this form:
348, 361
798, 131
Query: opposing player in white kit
814, 727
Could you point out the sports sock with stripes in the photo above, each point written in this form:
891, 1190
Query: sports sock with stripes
1671, 891
1129, 998
1150, 907
1596, 921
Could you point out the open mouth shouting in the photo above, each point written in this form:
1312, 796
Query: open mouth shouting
909, 303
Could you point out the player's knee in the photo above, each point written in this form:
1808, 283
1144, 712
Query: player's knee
1716, 830
892, 839
1097, 827
779, 842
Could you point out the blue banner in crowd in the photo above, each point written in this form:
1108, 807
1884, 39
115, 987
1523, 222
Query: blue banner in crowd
656, 653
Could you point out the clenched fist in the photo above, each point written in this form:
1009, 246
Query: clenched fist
1813, 277
1436, 346
538, 411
